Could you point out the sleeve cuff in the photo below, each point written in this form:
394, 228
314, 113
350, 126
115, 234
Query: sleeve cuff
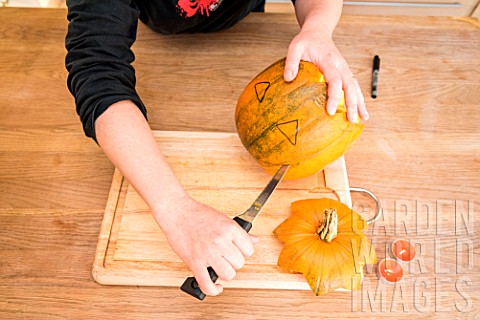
89, 125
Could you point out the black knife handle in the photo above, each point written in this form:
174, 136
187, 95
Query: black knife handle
244, 224
190, 285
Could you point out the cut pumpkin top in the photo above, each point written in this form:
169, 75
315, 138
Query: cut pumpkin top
326, 265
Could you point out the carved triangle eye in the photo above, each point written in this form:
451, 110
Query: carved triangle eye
290, 130
261, 89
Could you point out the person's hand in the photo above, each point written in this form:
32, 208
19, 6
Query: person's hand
202, 237
318, 48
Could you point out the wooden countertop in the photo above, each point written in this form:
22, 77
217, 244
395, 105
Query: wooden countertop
421, 149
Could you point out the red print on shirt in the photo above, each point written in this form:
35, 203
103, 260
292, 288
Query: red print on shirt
189, 8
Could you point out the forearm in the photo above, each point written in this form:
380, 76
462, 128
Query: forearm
318, 14
127, 140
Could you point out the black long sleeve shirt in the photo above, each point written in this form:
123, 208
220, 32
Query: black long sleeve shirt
101, 33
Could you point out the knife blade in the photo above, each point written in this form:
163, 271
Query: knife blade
245, 221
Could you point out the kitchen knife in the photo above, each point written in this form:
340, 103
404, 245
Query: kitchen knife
245, 220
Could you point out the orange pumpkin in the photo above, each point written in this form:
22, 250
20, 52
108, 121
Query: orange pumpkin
287, 123
329, 259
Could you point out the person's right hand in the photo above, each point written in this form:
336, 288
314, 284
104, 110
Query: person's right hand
202, 237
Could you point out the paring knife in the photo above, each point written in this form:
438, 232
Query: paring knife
245, 220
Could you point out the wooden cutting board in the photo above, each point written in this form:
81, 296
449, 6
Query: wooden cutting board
215, 169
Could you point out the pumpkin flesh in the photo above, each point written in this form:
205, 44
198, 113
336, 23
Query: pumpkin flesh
327, 266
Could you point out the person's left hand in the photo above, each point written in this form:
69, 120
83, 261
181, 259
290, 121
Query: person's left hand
318, 48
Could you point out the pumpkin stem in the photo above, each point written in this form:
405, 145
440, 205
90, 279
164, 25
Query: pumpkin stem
327, 231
